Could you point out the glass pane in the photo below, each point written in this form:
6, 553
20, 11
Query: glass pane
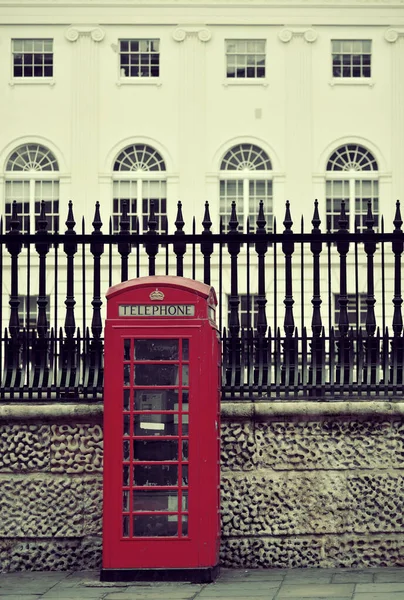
156, 424
184, 525
125, 474
184, 502
148, 450
125, 526
149, 475
155, 525
161, 400
126, 349
156, 375
155, 501
126, 373
185, 428
185, 401
185, 349
156, 349
185, 475
126, 399
126, 425
126, 450
125, 501
185, 375
185, 450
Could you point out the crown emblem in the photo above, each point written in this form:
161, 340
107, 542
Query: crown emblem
156, 295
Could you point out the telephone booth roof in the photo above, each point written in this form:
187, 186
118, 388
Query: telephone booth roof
168, 281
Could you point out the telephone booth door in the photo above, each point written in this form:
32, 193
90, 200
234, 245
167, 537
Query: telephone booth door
160, 495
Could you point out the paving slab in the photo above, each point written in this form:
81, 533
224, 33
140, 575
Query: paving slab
379, 596
330, 590
383, 576
353, 577
362, 588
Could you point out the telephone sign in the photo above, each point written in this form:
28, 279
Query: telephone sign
161, 431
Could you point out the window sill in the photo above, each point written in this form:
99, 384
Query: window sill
32, 81
351, 81
229, 82
156, 81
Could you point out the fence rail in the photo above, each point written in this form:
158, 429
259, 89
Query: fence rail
291, 342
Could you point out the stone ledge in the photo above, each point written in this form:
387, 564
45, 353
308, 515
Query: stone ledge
265, 411
51, 411
243, 410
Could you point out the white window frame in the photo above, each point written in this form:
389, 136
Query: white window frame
351, 55
32, 79
351, 177
247, 175
138, 79
141, 176
33, 176
228, 80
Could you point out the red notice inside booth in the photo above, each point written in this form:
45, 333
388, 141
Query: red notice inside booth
161, 431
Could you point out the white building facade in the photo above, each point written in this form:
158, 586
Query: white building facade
195, 101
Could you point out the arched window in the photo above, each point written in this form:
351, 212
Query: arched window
352, 176
139, 179
32, 176
246, 178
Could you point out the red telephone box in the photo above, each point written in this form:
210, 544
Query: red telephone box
161, 431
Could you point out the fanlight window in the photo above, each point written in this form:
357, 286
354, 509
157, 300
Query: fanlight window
138, 181
246, 181
32, 178
246, 157
139, 157
352, 157
32, 157
352, 178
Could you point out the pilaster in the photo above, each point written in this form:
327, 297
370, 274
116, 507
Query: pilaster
192, 116
298, 112
395, 36
85, 114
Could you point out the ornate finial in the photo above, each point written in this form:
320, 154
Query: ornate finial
179, 221
343, 219
206, 223
233, 223
397, 217
42, 222
152, 223
97, 223
261, 222
369, 221
316, 222
15, 223
70, 222
288, 218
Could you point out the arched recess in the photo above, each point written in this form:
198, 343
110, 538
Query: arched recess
246, 177
31, 174
139, 181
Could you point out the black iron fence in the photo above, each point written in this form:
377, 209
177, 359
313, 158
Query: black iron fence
302, 314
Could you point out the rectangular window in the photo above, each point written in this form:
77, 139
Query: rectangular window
32, 58
355, 320
351, 58
245, 59
139, 195
336, 191
139, 58
247, 310
247, 195
356, 193
28, 311
29, 195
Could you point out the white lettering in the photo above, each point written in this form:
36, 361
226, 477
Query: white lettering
156, 310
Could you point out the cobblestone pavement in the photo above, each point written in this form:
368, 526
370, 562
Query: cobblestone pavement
260, 584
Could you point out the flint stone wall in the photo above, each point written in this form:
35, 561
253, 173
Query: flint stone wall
303, 485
